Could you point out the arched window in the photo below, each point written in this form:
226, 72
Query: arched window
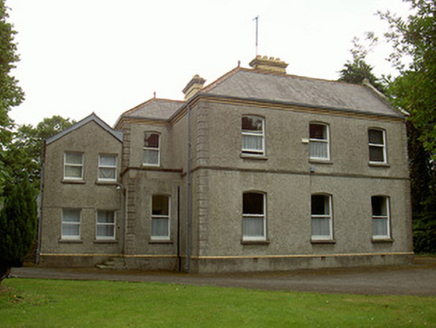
253, 135
380, 217
151, 149
322, 218
253, 216
319, 141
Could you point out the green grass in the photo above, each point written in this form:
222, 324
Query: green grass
63, 303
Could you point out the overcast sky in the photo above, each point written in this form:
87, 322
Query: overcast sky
107, 56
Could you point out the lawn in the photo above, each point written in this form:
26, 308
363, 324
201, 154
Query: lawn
64, 303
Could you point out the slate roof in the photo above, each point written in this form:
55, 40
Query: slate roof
255, 85
155, 108
93, 117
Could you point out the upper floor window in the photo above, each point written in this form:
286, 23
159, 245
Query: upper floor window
151, 149
160, 217
73, 166
321, 209
71, 224
377, 146
105, 225
380, 217
253, 216
107, 167
253, 135
319, 141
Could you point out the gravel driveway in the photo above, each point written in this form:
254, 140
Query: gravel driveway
418, 279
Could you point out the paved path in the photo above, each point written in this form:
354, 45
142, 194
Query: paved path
418, 279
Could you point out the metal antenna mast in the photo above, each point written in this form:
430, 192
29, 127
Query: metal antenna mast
257, 33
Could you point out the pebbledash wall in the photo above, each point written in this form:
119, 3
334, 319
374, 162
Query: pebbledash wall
206, 217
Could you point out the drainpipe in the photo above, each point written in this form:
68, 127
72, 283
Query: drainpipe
41, 184
188, 194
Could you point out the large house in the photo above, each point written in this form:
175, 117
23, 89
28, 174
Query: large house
257, 171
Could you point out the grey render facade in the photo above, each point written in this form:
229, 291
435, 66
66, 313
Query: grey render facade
257, 171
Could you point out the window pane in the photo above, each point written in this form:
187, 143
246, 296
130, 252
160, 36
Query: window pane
320, 227
252, 123
318, 149
73, 171
70, 229
73, 158
106, 230
105, 217
159, 227
318, 131
375, 137
151, 140
320, 205
108, 160
253, 203
253, 227
160, 205
376, 154
106, 173
151, 156
71, 215
380, 227
252, 142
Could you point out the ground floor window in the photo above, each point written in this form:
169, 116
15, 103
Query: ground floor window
380, 217
105, 225
160, 217
253, 216
71, 224
321, 209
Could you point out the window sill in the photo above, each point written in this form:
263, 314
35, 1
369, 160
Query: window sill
255, 157
71, 241
323, 241
160, 241
106, 183
68, 181
382, 240
105, 241
255, 242
375, 164
320, 161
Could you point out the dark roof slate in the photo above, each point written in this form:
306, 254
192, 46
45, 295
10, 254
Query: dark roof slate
155, 108
251, 84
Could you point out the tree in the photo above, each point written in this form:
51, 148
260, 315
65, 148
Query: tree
10, 93
357, 70
26, 149
17, 225
414, 55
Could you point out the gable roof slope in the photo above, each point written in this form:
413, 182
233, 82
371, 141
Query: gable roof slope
155, 108
300, 91
93, 117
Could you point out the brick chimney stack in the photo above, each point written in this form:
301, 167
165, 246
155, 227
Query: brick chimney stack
195, 85
271, 64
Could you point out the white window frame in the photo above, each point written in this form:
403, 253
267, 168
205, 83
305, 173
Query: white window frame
247, 216
248, 133
383, 146
160, 217
386, 217
113, 224
105, 166
152, 149
67, 223
325, 216
66, 164
320, 141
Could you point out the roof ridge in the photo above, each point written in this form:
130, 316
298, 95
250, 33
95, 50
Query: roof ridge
137, 107
222, 78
